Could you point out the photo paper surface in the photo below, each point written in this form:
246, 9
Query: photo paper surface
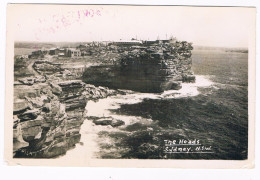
130, 86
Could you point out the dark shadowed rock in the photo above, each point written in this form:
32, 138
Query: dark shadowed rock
46, 108
116, 122
146, 69
171, 85
188, 78
29, 115
108, 121
103, 121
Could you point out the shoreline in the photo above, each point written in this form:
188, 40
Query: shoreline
101, 108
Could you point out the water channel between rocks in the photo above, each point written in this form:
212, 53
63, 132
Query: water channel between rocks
91, 142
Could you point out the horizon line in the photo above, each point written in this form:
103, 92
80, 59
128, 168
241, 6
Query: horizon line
195, 45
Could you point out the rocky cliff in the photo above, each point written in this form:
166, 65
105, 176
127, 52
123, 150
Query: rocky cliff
49, 110
147, 68
49, 107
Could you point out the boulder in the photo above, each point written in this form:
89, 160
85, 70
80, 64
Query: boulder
71, 84
171, 85
103, 121
108, 121
176, 85
188, 78
117, 122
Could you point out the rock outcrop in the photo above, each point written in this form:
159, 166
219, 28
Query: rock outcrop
104, 121
49, 108
52, 123
48, 114
147, 68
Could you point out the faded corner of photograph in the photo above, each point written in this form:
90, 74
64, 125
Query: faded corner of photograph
123, 82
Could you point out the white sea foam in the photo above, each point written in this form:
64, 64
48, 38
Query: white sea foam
188, 89
101, 108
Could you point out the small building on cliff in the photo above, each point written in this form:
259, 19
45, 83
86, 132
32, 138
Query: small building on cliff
56, 51
72, 52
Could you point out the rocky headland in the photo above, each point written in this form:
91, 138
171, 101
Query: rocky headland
49, 110
154, 67
50, 104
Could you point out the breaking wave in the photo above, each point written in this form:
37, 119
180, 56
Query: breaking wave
102, 108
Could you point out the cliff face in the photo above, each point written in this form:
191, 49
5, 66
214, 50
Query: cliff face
48, 114
50, 124
152, 68
49, 107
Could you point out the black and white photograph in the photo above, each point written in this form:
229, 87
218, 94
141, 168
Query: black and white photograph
130, 82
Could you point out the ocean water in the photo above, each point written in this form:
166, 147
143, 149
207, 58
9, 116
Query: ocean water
213, 111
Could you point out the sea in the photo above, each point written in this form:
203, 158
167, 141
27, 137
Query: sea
207, 119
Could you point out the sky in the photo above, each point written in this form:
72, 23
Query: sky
206, 26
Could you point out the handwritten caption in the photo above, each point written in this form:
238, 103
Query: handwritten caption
186, 146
